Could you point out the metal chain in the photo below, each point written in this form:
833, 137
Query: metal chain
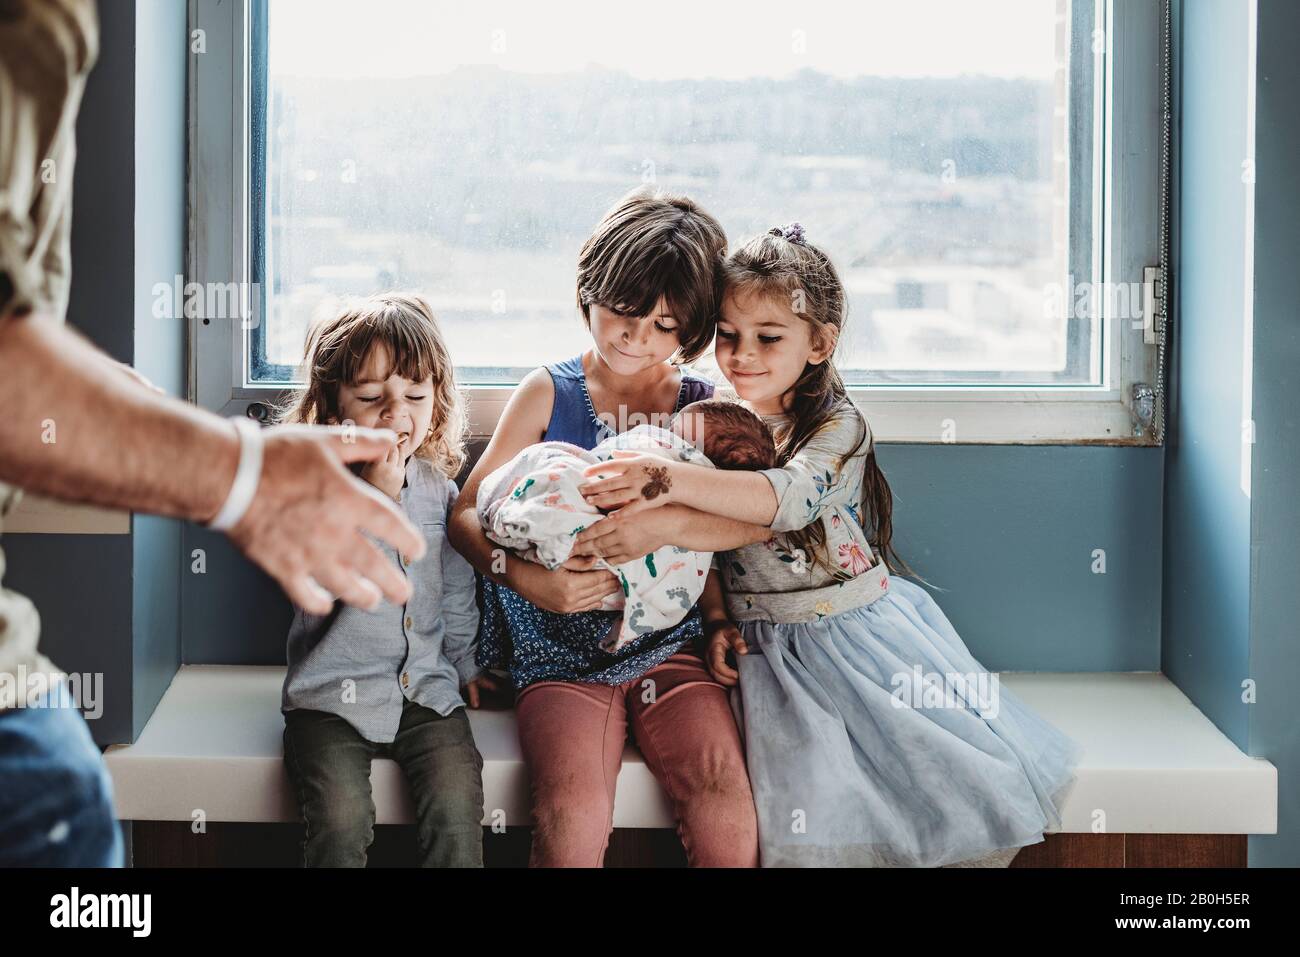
1166, 278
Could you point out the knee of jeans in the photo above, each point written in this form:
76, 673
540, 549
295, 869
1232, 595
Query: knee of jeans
461, 804
80, 781
74, 822
341, 813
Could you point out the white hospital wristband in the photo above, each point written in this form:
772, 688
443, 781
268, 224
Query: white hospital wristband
247, 475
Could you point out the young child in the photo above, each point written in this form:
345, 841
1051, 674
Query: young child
532, 504
854, 755
387, 681
648, 282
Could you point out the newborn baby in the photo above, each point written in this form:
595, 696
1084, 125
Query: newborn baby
532, 504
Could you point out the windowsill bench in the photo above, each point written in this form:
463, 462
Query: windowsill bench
1153, 763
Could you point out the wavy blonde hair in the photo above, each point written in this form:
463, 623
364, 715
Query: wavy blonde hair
336, 352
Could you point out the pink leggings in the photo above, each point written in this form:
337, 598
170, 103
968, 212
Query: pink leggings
573, 735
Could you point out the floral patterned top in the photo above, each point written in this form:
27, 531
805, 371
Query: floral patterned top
809, 487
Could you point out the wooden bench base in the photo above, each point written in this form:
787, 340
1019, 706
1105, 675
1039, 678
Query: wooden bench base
173, 844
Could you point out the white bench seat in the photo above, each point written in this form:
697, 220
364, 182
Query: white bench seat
1154, 764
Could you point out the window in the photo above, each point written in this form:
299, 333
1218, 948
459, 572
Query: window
951, 155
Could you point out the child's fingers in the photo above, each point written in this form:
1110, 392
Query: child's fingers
473, 694
632, 507
611, 499
737, 642
610, 467
718, 664
610, 483
588, 538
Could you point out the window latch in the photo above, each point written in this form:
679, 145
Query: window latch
1153, 304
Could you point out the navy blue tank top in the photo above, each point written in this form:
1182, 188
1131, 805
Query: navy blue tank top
537, 645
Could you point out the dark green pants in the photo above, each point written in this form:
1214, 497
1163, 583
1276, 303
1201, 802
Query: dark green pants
329, 765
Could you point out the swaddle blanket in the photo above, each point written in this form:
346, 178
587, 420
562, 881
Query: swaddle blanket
532, 504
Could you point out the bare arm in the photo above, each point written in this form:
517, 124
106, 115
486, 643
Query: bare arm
564, 590
624, 537
522, 423
705, 532
76, 428
743, 496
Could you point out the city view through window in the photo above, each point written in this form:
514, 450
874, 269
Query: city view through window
466, 155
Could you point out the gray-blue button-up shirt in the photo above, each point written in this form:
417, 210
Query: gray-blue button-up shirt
361, 665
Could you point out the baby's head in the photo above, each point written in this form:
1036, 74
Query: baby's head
729, 435
382, 362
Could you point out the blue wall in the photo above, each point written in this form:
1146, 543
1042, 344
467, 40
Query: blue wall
159, 242
1275, 471
1007, 531
1207, 519
1232, 523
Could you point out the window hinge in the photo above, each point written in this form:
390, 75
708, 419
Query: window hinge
1153, 304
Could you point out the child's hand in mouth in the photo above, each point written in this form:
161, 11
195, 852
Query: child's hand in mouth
389, 473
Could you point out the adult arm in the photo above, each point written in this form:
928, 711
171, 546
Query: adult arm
76, 428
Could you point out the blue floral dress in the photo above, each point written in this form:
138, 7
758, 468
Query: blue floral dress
533, 644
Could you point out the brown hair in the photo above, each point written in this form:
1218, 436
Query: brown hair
336, 352
803, 277
730, 436
655, 244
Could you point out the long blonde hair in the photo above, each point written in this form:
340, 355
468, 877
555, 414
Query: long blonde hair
336, 352
780, 264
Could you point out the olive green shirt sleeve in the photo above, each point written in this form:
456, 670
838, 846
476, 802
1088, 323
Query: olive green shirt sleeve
46, 49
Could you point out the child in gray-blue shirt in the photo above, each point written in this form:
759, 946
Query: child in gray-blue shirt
388, 682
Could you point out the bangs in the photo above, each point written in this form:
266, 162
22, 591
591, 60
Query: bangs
404, 335
653, 246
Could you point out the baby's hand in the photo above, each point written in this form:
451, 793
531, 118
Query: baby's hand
387, 474
723, 636
630, 481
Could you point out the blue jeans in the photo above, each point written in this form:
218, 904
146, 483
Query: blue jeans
329, 766
56, 797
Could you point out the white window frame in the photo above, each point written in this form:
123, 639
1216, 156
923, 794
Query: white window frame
218, 236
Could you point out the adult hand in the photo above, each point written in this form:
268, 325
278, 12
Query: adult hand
305, 524
563, 591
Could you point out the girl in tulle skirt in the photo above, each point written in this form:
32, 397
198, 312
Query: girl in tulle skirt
873, 737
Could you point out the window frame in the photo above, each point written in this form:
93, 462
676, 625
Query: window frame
221, 238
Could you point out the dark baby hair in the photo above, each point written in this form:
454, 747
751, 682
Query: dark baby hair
730, 436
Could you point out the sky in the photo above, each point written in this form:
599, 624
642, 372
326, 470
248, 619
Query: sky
667, 39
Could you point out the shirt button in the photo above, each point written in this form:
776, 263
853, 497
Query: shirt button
406, 679
410, 622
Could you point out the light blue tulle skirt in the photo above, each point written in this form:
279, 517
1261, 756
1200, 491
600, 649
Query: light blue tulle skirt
864, 751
